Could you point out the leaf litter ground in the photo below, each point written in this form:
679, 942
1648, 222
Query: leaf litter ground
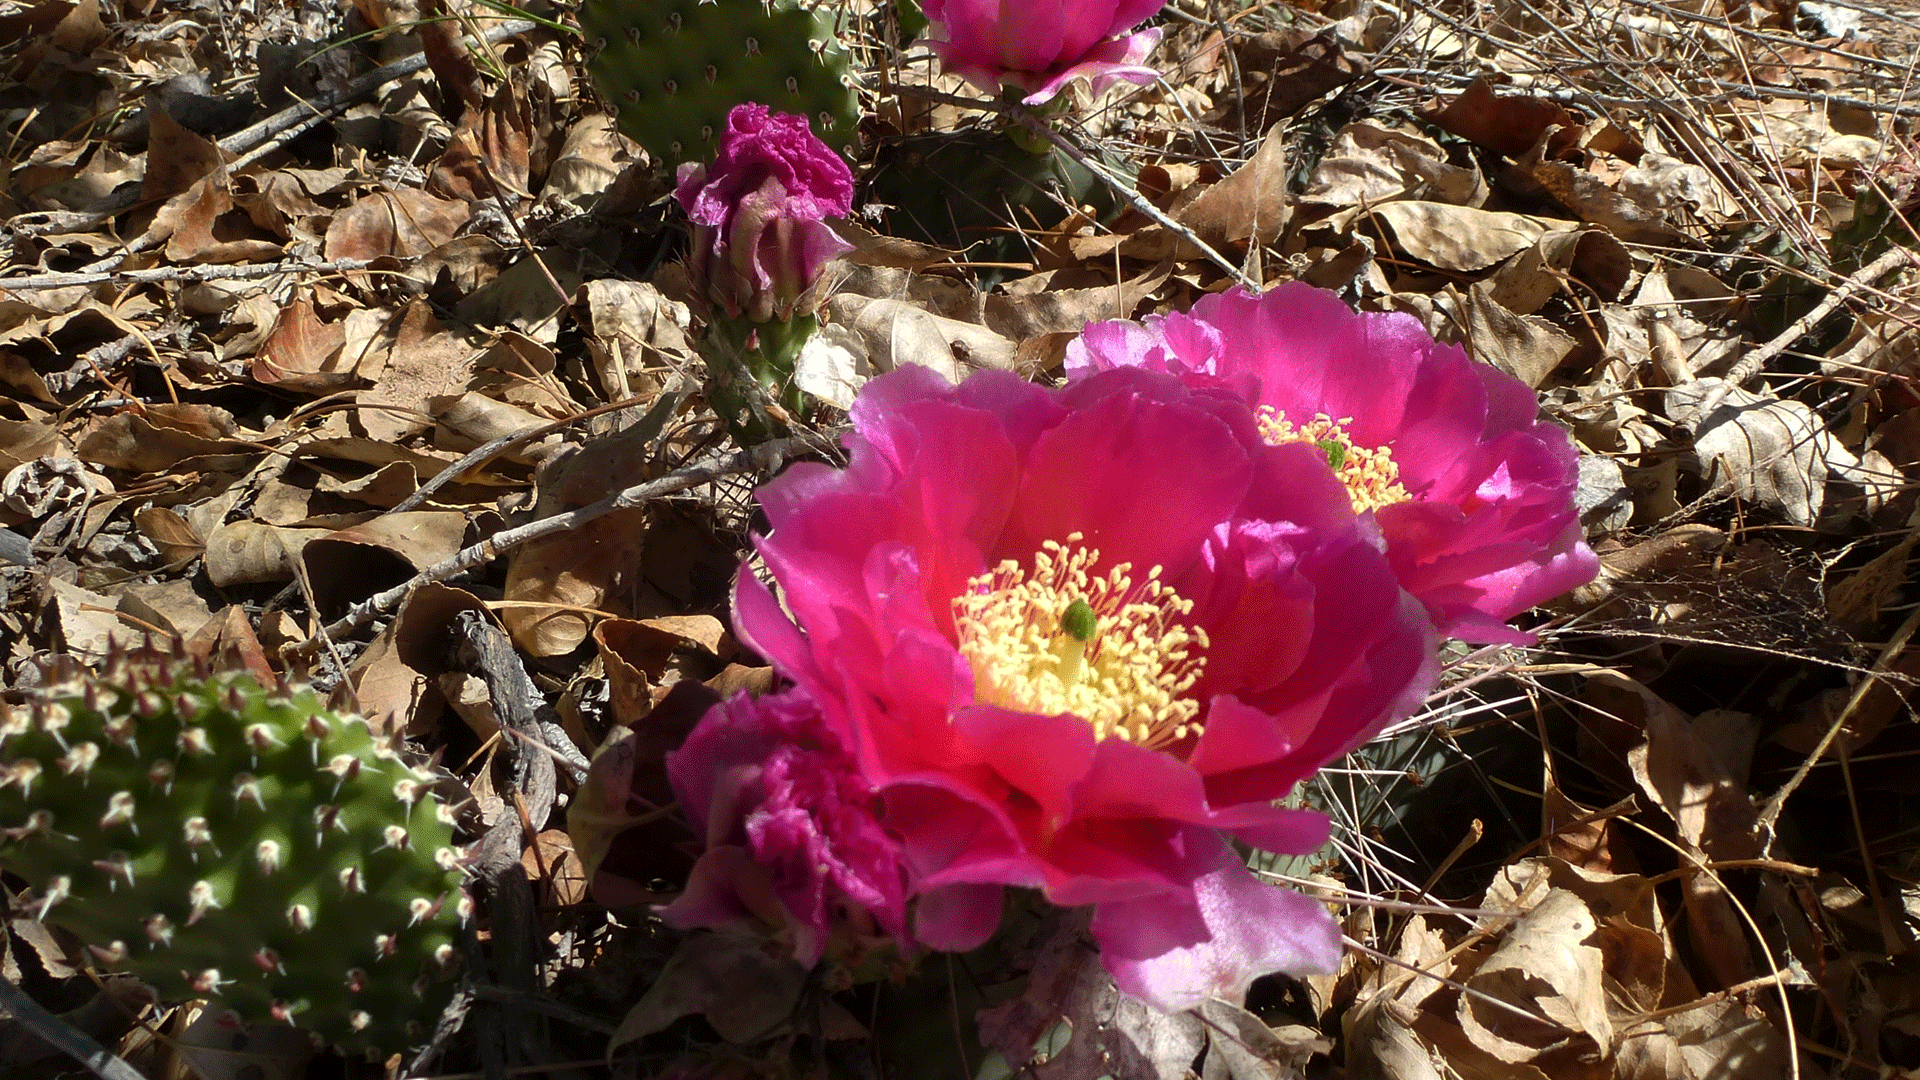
350, 359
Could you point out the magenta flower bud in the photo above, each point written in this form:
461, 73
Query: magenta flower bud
1042, 45
759, 238
793, 836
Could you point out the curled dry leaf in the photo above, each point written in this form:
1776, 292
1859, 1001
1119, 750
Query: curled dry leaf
1542, 985
833, 365
1250, 204
1460, 237
1370, 163
632, 325
1593, 201
555, 584
1525, 346
51, 484
1240, 1046
897, 332
1777, 454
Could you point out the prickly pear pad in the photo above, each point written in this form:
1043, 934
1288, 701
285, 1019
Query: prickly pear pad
675, 68
233, 842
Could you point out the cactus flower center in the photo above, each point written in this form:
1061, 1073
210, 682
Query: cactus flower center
1371, 476
1063, 639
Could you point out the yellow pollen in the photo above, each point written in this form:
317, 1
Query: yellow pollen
1370, 474
1061, 640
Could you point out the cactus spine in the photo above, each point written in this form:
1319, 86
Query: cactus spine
233, 842
675, 67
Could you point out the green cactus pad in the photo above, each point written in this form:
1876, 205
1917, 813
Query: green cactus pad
233, 842
969, 189
675, 68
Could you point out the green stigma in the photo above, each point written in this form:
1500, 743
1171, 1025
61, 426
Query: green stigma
1335, 450
1078, 620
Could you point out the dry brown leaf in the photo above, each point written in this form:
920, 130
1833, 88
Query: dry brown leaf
591, 157
353, 563
1884, 702
550, 863
1250, 204
1712, 814
303, 351
1380, 1043
1240, 1046
1660, 182
1525, 282
1460, 237
162, 438
464, 421
1370, 163
1719, 1040
244, 552
1020, 314
555, 584
405, 221
440, 40
200, 225
1774, 453
899, 332
1858, 596
875, 249
1509, 125
420, 360
1593, 201
85, 620
169, 532
229, 635
631, 326
1525, 346
176, 158
29, 439
488, 154
1279, 84
1576, 835
172, 606
386, 686
1546, 965
638, 654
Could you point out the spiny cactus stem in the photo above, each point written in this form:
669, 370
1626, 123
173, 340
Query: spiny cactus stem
200, 857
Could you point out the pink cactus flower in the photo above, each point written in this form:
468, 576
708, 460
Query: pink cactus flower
792, 836
1073, 636
1473, 492
1042, 45
759, 237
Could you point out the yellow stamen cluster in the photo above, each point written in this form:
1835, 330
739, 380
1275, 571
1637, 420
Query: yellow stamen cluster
1370, 474
1062, 640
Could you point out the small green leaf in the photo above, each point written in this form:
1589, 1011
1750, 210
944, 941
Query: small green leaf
1078, 620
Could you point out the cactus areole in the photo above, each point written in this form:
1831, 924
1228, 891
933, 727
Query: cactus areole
235, 843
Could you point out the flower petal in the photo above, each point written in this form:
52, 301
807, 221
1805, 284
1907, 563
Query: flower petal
1175, 950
